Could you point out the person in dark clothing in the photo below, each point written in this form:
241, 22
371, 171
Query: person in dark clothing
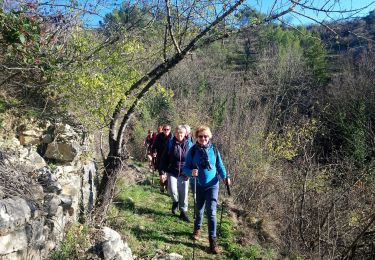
204, 163
148, 143
172, 162
158, 148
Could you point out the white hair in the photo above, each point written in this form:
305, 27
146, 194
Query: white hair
188, 129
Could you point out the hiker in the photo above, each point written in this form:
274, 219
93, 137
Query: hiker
203, 162
188, 133
149, 140
158, 131
172, 162
158, 147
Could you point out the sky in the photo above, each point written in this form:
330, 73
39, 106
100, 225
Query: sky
344, 5
265, 6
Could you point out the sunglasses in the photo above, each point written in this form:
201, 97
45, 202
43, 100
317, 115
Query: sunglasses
203, 136
166, 129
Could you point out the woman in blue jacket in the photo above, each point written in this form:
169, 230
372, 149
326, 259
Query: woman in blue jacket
203, 162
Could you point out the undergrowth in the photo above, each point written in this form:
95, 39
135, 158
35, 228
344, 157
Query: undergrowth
75, 244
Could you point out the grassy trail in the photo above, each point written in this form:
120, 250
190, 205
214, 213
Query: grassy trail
143, 215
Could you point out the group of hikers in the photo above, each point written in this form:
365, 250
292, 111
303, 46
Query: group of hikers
179, 161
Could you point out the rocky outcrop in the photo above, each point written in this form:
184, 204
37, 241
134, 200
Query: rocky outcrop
113, 247
63, 144
37, 200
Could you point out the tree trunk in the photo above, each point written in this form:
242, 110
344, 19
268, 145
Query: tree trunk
112, 167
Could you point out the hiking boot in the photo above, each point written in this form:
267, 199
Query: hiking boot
214, 249
174, 208
184, 216
196, 234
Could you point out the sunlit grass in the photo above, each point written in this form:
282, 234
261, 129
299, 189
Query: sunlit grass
143, 215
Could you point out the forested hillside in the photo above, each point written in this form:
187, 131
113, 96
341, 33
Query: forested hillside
291, 108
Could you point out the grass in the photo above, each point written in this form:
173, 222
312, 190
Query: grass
143, 216
75, 243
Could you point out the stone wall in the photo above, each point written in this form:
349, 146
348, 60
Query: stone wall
38, 199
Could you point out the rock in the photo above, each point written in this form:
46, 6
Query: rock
66, 201
57, 224
64, 132
2, 193
30, 137
13, 214
48, 180
31, 158
47, 138
71, 186
88, 188
62, 152
114, 247
6, 242
173, 256
52, 203
11, 143
37, 192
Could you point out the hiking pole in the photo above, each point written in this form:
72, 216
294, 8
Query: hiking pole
195, 206
222, 206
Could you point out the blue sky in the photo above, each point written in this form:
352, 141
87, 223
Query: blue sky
265, 6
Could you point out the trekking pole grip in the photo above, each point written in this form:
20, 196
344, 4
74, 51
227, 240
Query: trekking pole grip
228, 189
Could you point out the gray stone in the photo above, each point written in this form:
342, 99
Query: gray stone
64, 132
114, 247
19, 255
36, 191
31, 158
57, 224
13, 214
173, 256
71, 186
13, 242
48, 180
62, 152
47, 138
52, 203
66, 201
88, 187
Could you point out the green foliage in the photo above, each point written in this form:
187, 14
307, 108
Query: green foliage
90, 90
219, 112
75, 243
301, 43
21, 36
293, 140
3, 105
353, 127
316, 55
155, 109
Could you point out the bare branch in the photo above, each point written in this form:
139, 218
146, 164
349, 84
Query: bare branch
331, 11
161, 69
321, 23
167, 5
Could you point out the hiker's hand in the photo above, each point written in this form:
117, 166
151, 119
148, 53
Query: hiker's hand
227, 181
154, 154
194, 172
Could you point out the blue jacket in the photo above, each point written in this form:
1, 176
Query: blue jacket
173, 159
206, 177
